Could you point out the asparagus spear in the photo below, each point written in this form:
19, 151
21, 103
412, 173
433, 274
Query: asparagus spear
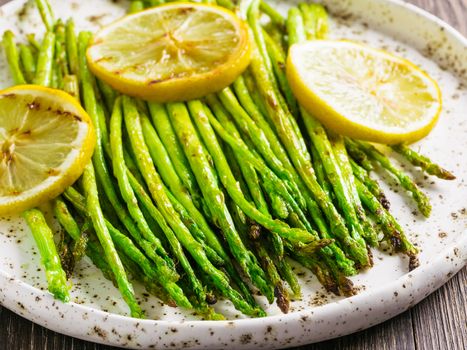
315, 20
108, 95
67, 221
71, 48
244, 171
161, 122
56, 277
278, 59
277, 35
343, 162
321, 173
267, 263
64, 248
167, 171
371, 184
286, 272
61, 59
12, 56
71, 85
129, 196
153, 272
28, 62
197, 233
423, 162
31, 38
423, 202
272, 13
358, 155
95, 212
45, 61
392, 230
253, 93
227, 4
46, 13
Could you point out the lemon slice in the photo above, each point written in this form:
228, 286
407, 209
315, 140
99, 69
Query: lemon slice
173, 52
46, 139
363, 92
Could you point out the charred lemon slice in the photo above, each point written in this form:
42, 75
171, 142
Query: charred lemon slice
362, 92
46, 139
173, 52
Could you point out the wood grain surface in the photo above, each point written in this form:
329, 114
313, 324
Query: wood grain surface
437, 323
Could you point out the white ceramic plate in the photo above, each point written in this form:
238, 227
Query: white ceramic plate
97, 312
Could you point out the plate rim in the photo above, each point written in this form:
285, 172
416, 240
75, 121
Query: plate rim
452, 267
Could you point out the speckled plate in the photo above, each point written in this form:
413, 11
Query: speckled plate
97, 312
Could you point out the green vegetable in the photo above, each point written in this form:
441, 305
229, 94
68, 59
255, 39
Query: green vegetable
95, 213
406, 182
12, 57
56, 277
423, 162
45, 61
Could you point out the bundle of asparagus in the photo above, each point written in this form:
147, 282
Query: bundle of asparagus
213, 198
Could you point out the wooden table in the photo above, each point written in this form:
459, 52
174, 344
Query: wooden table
438, 322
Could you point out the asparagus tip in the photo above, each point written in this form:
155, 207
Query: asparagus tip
447, 175
370, 256
347, 287
425, 210
413, 261
316, 246
282, 298
385, 201
211, 299
254, 231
